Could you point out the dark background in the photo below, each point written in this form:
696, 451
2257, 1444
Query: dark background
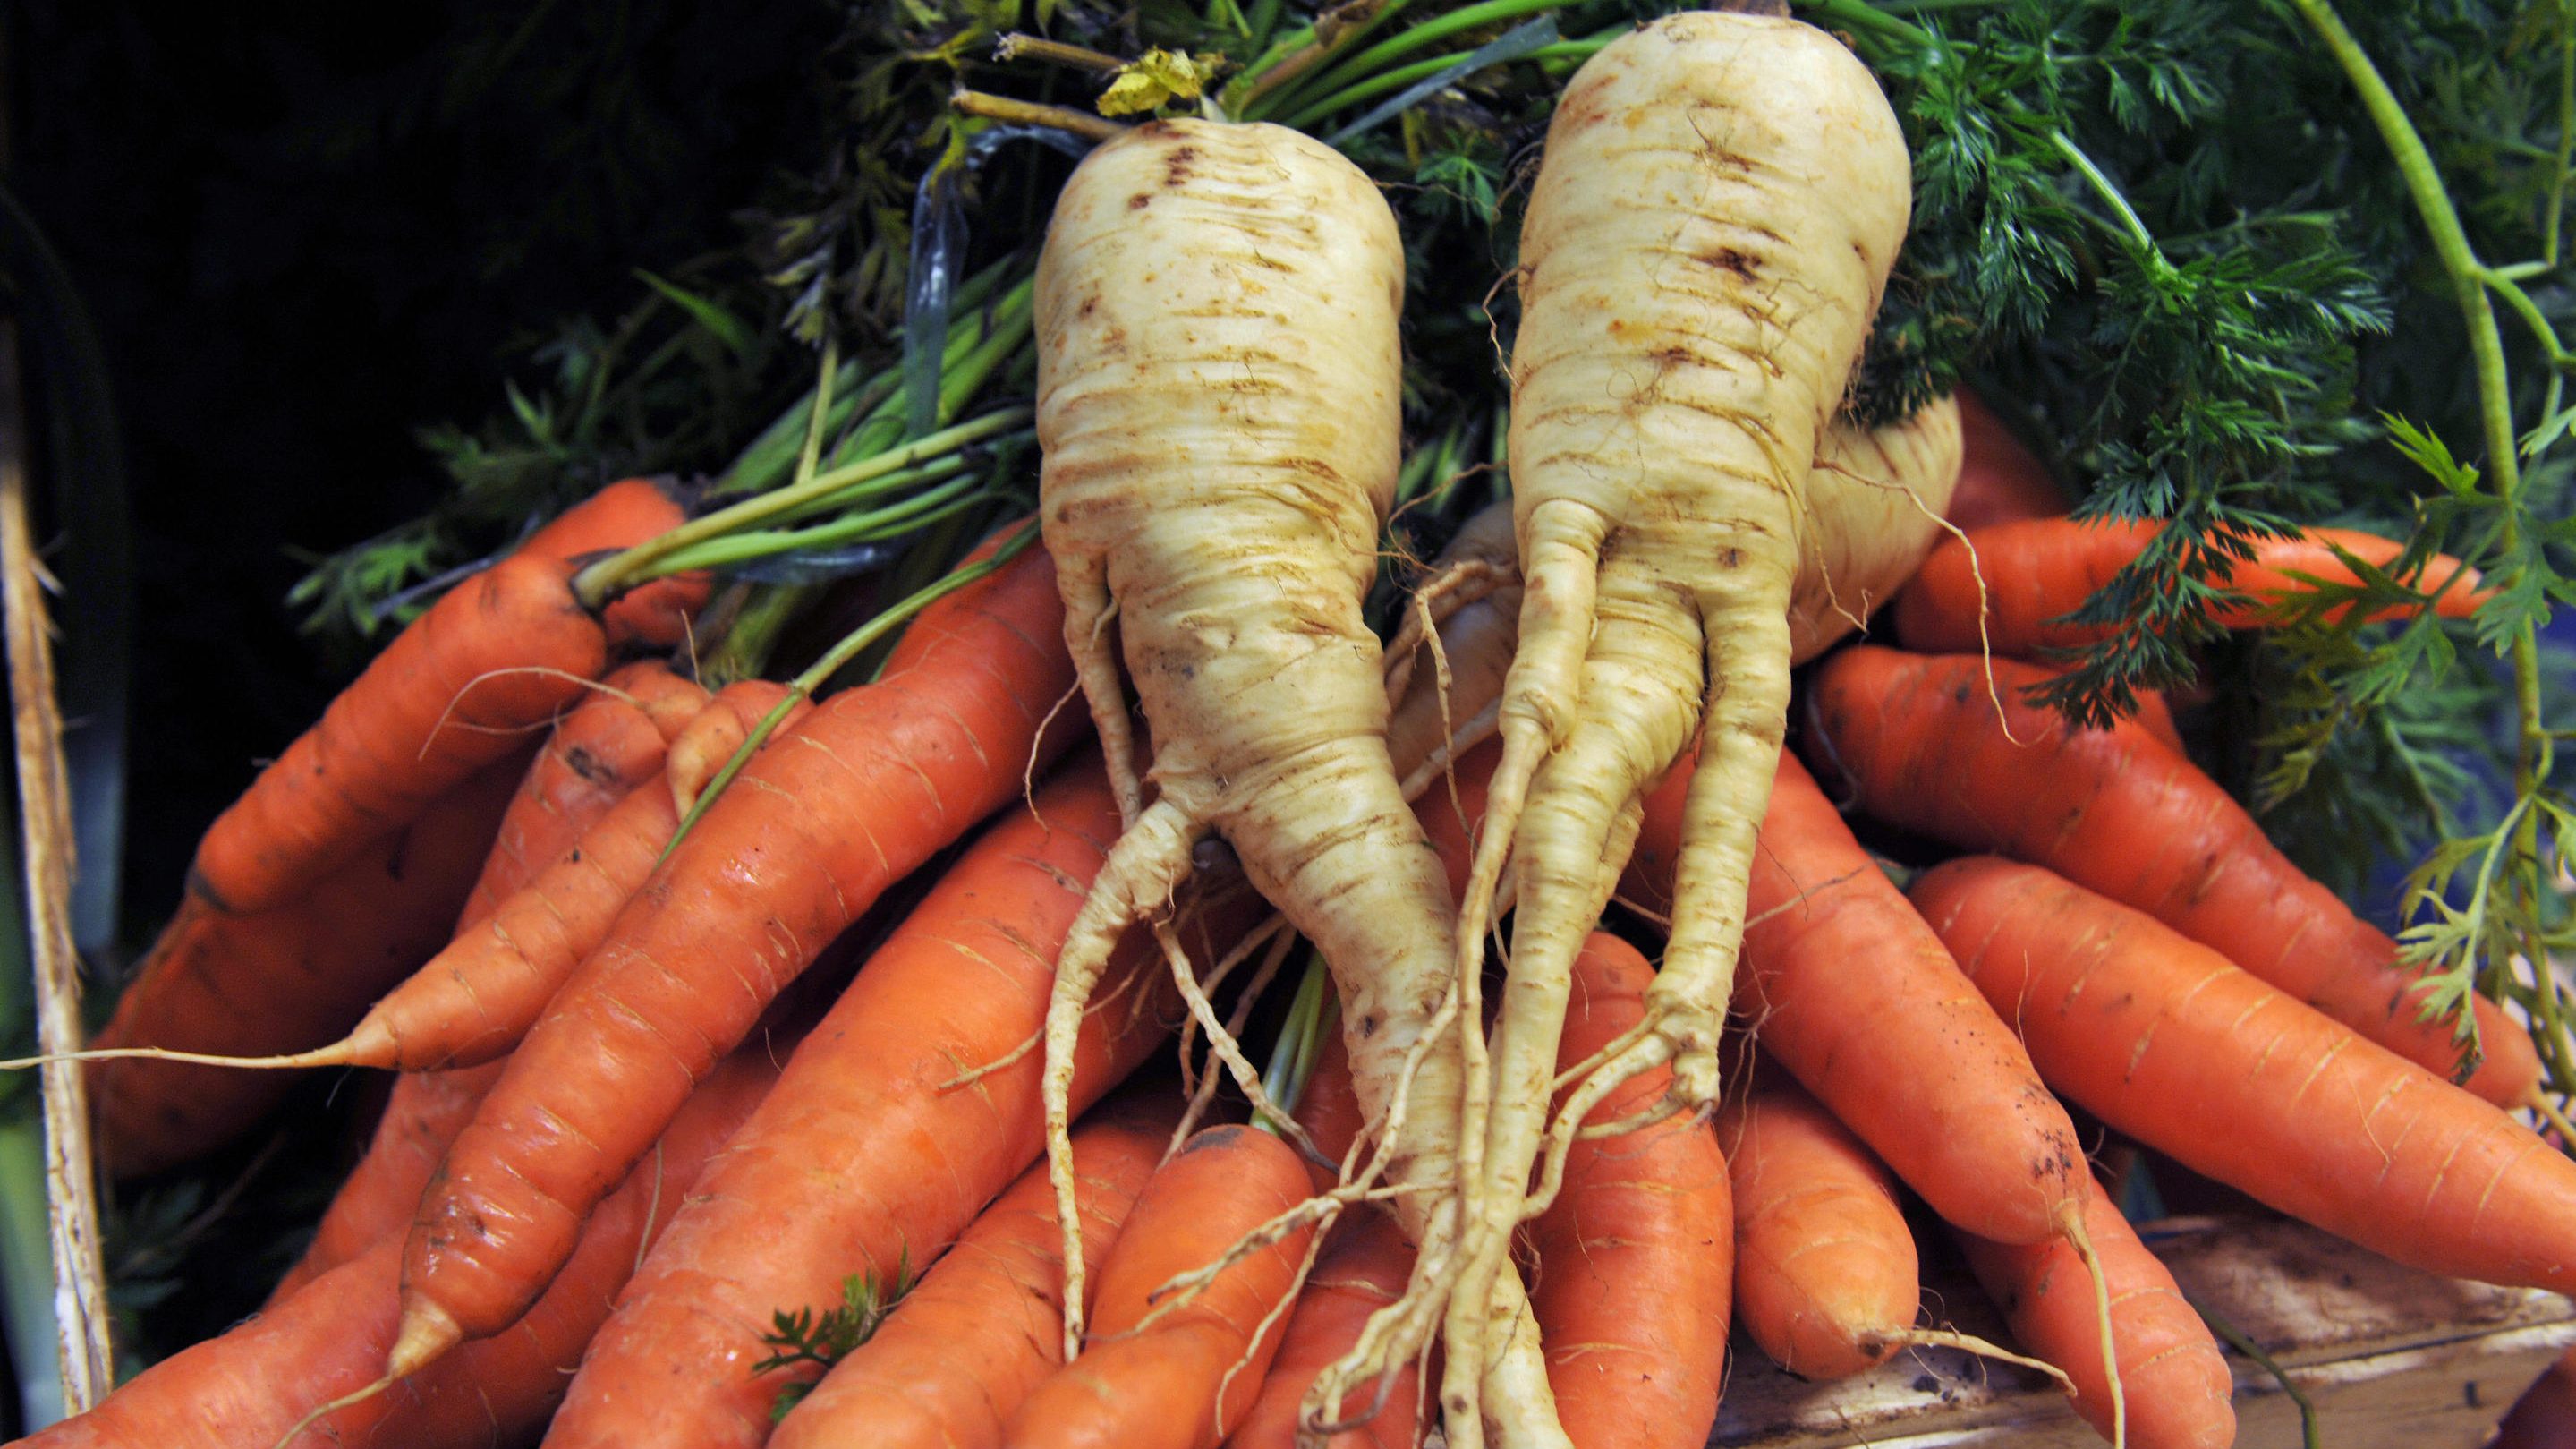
304, 231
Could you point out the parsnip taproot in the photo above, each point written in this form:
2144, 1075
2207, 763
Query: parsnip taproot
1706, 243
1219, 377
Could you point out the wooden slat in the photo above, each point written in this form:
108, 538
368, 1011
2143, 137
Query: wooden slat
2392, 1358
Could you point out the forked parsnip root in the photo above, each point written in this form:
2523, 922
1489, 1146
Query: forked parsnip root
1706, 243
1218, 392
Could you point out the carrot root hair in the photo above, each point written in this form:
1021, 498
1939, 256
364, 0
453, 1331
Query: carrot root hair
322, 1411
1982, 1348
2071, 1222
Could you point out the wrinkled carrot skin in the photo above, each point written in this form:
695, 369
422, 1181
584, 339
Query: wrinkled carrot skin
1363, 1268
967, 1345
1861, 1002
500, 655
904, 1160
619, 516
863, 789
1165, 1385
611, 742
1330, 1109
245, 1389
1825, 1269
421, 1119
1918, 742
279, 981
2167, 1041
1636, 1257
2174, 1381
2000, 481
476, 999
2039, 569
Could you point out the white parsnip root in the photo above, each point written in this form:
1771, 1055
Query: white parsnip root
1219, 376
1706, 243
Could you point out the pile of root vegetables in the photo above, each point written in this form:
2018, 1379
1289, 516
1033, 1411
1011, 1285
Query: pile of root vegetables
797, 1067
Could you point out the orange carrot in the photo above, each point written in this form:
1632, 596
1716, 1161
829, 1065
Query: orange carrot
867, 786
2037, 570
1330, 1108
1636, 1257
872, 1105
1825, 1272
2000, 481
496, 657
2165, 1040
2119, 813
475, 1000
1184, 1379
1363, 1268
2173, 1379
608, 744
1851, 992
979, 1332
279, 981
611, 742
421, 1118
246, 1389
620, 516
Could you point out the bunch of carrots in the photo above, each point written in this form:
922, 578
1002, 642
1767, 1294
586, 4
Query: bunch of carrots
787, 1064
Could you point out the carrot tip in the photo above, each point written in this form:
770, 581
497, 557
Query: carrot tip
427, 1331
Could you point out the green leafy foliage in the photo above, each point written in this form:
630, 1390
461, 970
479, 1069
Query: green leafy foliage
824, 1339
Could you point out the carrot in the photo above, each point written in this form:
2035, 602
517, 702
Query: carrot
1860, 1001
873, 1105
619, 516
2166, 1041
2000, 481
1636, 1255
610, 743
1825, 1271
1179, 1372
248, 1388
279, 981
1362, 1269
421, 1118
498, 655
2037, 570
1329, 1109
1698, 272
2175, 1384
968, 1343
861, 790
2119, 813
476, 999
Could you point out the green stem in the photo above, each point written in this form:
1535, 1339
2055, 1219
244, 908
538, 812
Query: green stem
2566, 140
603, 579
1429, 32
1857, 15
2310, 1433
735, 550
1311, 1012
2471, 286
2110, 195
803, 686
752, 636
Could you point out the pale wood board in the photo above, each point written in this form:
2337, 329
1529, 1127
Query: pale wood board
2391, 1357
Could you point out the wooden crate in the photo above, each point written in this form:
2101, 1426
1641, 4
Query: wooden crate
2391, 1358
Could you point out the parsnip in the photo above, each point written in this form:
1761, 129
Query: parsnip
1218, 390
1707, 240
